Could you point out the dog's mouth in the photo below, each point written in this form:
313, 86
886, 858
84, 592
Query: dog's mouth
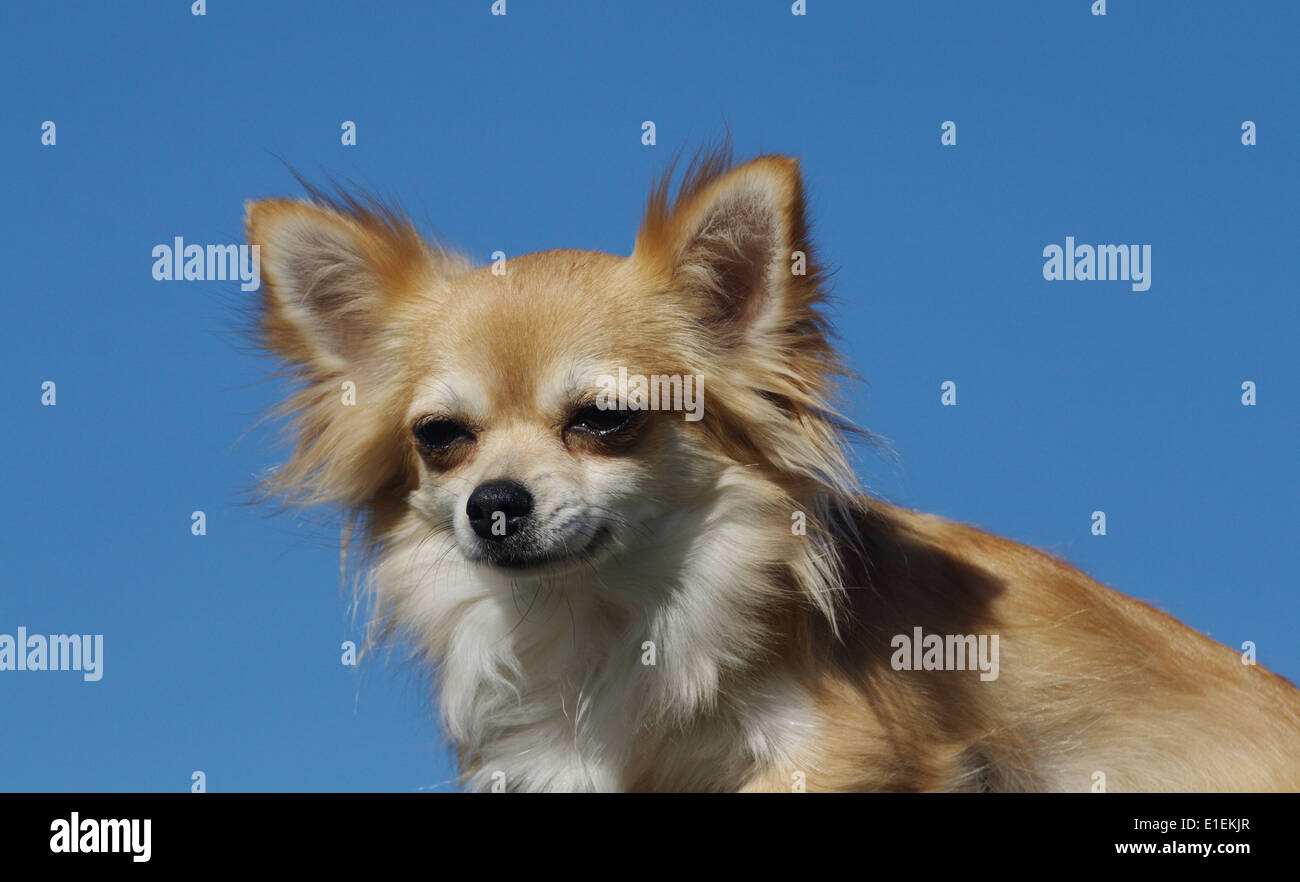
551, 560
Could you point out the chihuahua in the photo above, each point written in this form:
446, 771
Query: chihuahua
609, 503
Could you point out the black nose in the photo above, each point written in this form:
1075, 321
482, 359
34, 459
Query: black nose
497, 509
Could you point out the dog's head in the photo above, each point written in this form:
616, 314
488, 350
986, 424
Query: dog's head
553, 409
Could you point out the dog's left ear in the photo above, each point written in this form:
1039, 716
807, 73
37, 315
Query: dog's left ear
734, 253
737, 241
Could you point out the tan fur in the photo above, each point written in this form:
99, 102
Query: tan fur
1091, 681
794, 682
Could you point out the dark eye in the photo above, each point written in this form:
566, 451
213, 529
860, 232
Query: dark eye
599, 421
439, 434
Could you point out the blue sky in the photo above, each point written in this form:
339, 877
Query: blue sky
221, 652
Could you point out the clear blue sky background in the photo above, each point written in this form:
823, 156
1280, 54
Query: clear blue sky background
523, 133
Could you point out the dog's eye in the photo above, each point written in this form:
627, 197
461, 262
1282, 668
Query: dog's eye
599, 421
439, 434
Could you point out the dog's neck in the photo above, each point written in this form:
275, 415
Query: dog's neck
575, 682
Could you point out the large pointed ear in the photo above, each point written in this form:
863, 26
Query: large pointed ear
737, 241
332, 274
336, 276
734, 249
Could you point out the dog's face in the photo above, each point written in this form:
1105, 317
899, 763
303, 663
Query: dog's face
551, 410
523, 453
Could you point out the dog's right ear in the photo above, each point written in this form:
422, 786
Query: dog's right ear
336, 276
332, 275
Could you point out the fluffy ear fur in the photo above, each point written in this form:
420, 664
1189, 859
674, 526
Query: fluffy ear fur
336, 274
738, 240
734, 245
334, 269
734, 250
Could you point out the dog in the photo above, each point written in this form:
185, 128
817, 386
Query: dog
624, 591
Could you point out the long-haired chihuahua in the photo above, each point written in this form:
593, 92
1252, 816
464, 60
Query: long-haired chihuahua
608, 500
